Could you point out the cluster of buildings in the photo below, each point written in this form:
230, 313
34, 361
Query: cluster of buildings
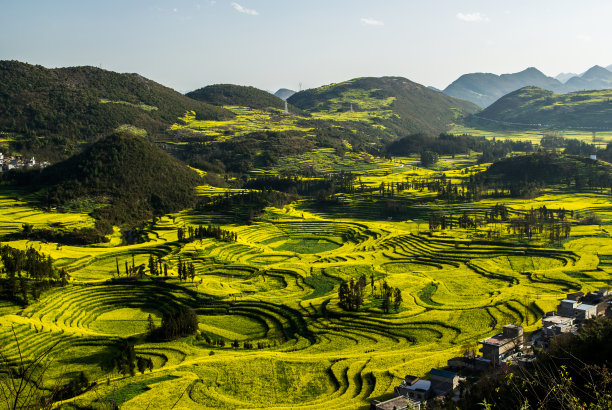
15, 162
413, 392
510, 344
571, 312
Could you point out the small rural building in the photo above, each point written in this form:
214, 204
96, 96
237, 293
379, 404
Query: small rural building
443, 381
420, 391
577, 296
584, 312
555, 325
501, 346
566, 307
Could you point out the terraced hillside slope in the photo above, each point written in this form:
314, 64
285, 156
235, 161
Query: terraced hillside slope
272, 331
396, 103
51, 111
532, 106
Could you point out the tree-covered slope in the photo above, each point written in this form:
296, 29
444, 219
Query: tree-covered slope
548, 169
535, 106
231, 94
52, 110
398, 104
134, 177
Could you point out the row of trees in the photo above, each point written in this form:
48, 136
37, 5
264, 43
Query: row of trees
186, 270
199, 232
125, 361
550, 223
317, 188
180, 322
351, 294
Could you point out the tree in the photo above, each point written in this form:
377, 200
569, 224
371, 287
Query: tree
150, 324
428, 158
141, 363
386, 303
397, 299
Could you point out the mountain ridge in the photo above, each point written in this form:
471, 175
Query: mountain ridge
484, 89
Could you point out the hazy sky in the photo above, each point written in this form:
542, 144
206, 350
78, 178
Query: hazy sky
187, 44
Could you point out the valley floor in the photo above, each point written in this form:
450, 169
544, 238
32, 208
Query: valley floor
276, 288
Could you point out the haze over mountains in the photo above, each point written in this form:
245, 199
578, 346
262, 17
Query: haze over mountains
484, 89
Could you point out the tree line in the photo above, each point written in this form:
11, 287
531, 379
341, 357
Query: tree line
28, 273
200, 232
351, 294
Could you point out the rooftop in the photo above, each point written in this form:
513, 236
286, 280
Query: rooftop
497, 340
585, 307
421, 385
442, 373
556, 320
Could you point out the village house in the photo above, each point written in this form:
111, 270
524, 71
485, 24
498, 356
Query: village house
581, 307
504, 345
10, 162
555, 325
444, 382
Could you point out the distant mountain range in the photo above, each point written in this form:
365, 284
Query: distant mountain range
484, 89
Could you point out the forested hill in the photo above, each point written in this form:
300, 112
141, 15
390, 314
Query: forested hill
398, 104
231, 94
549, 169
532, 106
50, 111
135, 178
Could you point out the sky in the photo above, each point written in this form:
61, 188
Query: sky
272, 44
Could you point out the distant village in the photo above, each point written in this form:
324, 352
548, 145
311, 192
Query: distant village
511, 347
16, 162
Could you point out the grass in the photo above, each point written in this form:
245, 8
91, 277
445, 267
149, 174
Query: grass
276, 288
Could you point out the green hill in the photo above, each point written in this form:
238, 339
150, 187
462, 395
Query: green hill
532, 106
49, 112
548, 169
398, 104
231, 94
128, 173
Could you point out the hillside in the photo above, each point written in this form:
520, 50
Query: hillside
135, 178
399, 105
531, 106
68, 106
230, 94
547, 169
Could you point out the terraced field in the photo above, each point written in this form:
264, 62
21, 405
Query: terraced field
276, 288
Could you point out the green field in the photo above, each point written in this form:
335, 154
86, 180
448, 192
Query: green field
276, 288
